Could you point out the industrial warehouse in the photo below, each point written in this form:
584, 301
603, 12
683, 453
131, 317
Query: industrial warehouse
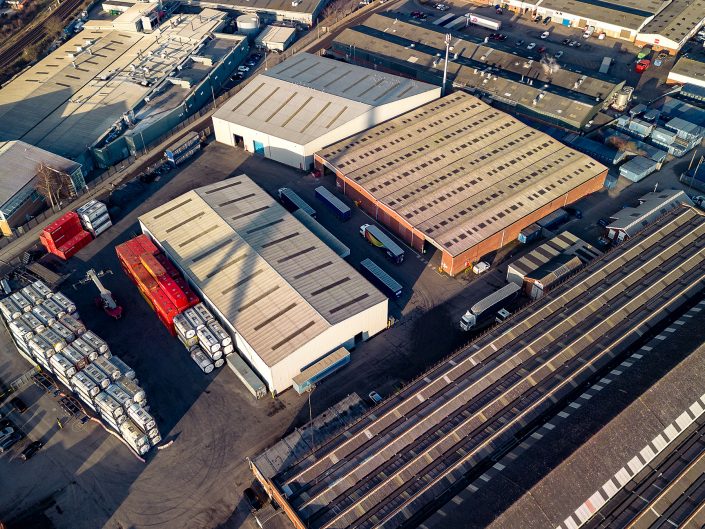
85, 100
460, 175
286, 298
412, 453
541, 90
300, 11
309, 102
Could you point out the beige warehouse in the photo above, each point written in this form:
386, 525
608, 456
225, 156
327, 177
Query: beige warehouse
287, 299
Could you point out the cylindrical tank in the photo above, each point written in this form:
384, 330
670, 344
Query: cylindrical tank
248, 25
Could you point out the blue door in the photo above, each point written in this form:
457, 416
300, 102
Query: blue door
259, 147
566, 22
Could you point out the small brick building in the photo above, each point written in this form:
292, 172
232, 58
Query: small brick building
460, 175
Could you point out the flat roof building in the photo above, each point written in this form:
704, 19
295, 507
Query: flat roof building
286, 297
276, 38
687, 71
519, 84
19, 199
309, 102
85, 94
411, 454
460, 175
301, 11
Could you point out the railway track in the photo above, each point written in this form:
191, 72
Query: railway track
671, 495
451, 421
36, 33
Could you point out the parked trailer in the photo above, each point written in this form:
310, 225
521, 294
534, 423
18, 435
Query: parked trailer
486, 306
290, 199
484, 22
336, 205
553, 219
248, 377
380, 278
183, 149
377, 237
445, 18
605, 66
456, 22
530, 233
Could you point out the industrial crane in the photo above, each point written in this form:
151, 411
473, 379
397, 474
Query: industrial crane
106, 300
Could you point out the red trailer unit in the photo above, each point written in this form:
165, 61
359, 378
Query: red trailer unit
65, 236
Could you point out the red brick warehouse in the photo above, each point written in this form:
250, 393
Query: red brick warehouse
460, 175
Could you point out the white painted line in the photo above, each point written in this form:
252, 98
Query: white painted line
537, 436
670, 329
679, 322
485, 477
563, 415
637, 356
586, 396
661, 337
574, 405
597, 387
499, 466
615, 372
646, 348
627, 364
549, 426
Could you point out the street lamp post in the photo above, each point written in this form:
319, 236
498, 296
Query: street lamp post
445, 66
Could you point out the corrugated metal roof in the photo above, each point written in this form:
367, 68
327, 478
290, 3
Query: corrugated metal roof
267, 274
459, 170
307, 96
652, 206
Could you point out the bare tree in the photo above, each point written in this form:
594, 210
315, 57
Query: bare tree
52, 184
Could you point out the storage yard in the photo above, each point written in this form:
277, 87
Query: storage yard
446, 189
479, 401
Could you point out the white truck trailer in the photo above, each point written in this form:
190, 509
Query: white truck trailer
488, 305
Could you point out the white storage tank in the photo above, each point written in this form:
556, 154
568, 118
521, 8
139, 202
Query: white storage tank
108, 405
248, 25
63, 301
125, 370
97, 342
42, 315
219, 332
60, 329
34, 323
117, 393
203, 313
31, 294
73, 324
85, 348
82, 383
22, 302
183, 326
53, 339
41, 287
135, 392
141, 418
219, 363
107, 367
133, 435
20, 329
10, 310
228, 349
194, 319
97, 375
207, 340
202, 361
52, 307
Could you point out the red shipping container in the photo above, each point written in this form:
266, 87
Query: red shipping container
64, 224
146, 243
191, 297
168, 265
153, 266
172, 291
74, 245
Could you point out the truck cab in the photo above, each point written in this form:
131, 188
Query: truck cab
468, 321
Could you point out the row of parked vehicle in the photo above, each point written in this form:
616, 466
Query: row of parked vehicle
11, 434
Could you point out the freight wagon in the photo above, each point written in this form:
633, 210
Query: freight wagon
336, 205
293, 201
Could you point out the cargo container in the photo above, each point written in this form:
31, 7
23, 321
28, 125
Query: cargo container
41, 287
120, 396
107, 367
62, 331
203, 313
108, 405
64, 302
486, 307
85, 348
247, 376
207, 340
129, 386
484, 22
32, 295
293, 201
73, 355
183, 326
22, 302
228, 349
141, 418
336, 205
531, 233
156, 439
133, 435
21, 328
53, 339
97, 376
219, 363
34, 323
213, 355
85, 384
41, 347
96, 342
380, 278
42, 315
125, 370
54, 308
189, 343
183, 149
10, 310
378, 238
220, 333
202, 361
554, 219
73, 324
62, 366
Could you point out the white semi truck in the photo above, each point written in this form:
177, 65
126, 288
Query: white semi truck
486, 307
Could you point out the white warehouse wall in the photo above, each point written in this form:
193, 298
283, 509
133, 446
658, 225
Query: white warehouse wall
369, 322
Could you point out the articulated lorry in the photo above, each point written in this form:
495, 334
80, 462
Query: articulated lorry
484, 309
377, 237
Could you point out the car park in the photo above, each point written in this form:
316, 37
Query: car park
19, 405
30, 450
545, 35
9, 442
531, 46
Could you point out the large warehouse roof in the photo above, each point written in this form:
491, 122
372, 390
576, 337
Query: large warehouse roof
18, 166
625, 13
459, 170
410, 454
69, 99
676, 20
307, 96
264, 271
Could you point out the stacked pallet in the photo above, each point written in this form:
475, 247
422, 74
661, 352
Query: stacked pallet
205, 339
47, 331
65, 236
158, 280
94, 217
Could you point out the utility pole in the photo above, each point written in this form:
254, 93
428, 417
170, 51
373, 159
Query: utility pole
445, 66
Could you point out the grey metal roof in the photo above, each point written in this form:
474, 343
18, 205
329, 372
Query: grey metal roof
651, 206
275, 35
563, 243
631, 14
264, 271
690, 67
18, 166
459, 170
66, 109
308, 96
411, 453
676, 20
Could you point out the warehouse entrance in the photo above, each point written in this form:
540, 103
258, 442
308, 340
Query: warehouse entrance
239, 141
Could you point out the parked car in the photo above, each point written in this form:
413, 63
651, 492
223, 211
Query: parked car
642, 65
531, 46
572, 210
9, 442
243, 69
19, 405
537, 18
6, 432
481, 267
542, 49
375, 397
545, 35
520, 42
565, 42
546, 20
30, 450
558, 54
